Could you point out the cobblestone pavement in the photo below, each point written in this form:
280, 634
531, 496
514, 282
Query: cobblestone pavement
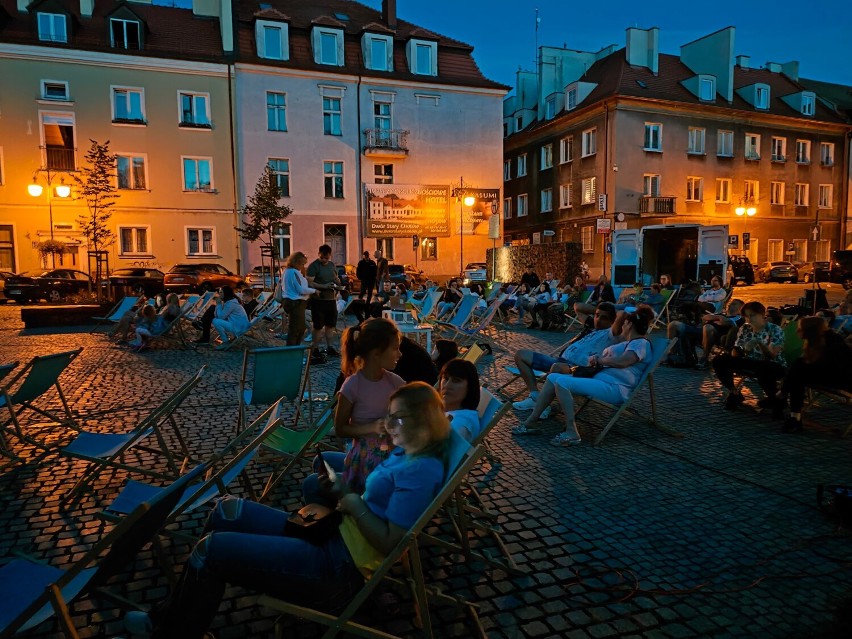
715, 534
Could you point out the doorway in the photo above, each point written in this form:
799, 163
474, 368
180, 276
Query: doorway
335, 237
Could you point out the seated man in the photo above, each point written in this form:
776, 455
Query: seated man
381, 300
630, 297
715, 295
576, 352
248, 301
666, 282
718, 328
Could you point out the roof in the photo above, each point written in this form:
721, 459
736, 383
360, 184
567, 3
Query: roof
169, 32
838, 94
456, 65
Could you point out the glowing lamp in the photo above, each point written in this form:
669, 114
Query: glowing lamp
35, 189
469, 200
63, 190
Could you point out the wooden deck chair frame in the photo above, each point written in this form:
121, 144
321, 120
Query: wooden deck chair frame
5, 369
56, 589
40, 374
466, 336
115, 445
473, 354
661, 319
174, 331
116, 312
460, 316
516, 374
196, 310
661, 348
426, 311
836, 395
571, 318
407, 548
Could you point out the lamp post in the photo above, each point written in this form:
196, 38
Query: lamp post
494, 209
745, 212
61, 190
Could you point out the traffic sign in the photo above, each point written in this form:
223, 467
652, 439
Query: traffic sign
602, 202
746, 240
815, 231
733, 241
604, 225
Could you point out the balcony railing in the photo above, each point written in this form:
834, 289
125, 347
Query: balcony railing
60, 158
657, 204
386, 142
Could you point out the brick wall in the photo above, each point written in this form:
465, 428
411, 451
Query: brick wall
562, 259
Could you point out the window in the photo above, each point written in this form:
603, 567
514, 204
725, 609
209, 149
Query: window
422, 57
589, 142
128, 105
522, 205
565, 196
507, 170
522, 164
382, 114
550, 108
566, 149
546, 156
707, 89
800, 251
653, 137
801, 198
54, 90
133, 240
825, 196
808, 103
124, 34
379, 52
589, 192
386, 246
823, 251
651, 185
200, 241
546, 200
723, 190
281, 170
507, 208
571, 99
429, 249
197, 174
694, 189
194, 109
276, 111
776, 193
725, 144
775, 250
695, 141
519, 123
383, 173
59, 136
761, 97
331, 110
333, 179
587, 237
272, 40
752, 146
779, 149
803, 151
130, 171
751, 190
328, 46
52, 28
826, 153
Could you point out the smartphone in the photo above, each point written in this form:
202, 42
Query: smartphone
329, 471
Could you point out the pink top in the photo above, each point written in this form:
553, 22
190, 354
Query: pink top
370, 399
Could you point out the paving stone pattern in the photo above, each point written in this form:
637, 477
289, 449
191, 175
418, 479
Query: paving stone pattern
712, 535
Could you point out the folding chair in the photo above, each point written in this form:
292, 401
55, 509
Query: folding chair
515, 372
116, 313
5, 369
473, 354
196, 309
33, 592
406, 551
660, 347
662, 318
249, 332
107, 450
33, 381
427, 309
461, 314
570, 318
464, 336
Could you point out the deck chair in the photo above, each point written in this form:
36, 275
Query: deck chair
460, 317
473, 354
407, 551
30, 384
515, 373
465, 336
570, 318
660, 348
5, 369
661, 319
295, 445
196, 309
107, 450
792, 350
34, 592
248, 334
427, 309
281, 372
116, 313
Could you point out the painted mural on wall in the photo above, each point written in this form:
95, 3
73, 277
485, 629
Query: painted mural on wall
400, 210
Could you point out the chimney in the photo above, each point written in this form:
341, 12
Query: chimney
389, 13
643, 48
743, 61
774, 67
791, 70
86, 8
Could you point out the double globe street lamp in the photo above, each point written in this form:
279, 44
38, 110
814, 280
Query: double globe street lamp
61, 190
745, 212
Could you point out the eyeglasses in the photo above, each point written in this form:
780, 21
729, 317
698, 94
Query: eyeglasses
395, 420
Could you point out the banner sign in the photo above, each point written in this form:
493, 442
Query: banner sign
403, 210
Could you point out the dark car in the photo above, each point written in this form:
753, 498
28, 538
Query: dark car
4, 275
137, 281
841, 268
778, 272
815, 271
740, 270
199, 278
52, 285
398, 275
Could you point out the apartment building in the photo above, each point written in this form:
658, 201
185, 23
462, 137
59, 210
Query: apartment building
129, 73
634, 137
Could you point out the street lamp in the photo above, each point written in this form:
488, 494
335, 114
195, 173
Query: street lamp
745, 212
61, 190
494, 208
467, 200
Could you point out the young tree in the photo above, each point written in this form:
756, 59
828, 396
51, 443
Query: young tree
97, 187
264, 212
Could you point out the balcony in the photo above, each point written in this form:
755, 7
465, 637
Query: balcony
386, 142
657, 205
60, 158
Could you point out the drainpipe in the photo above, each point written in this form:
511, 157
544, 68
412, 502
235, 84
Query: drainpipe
847, 176
605, 174
359, 204
232, 76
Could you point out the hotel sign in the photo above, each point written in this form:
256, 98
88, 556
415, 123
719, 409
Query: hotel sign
404, 210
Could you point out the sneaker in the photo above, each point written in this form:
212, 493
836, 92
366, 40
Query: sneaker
332, 352
564, 439
733, 401
545, 413
524, 404
138, 624
524, 430
792, 425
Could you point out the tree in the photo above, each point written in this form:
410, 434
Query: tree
97, 186
264, 212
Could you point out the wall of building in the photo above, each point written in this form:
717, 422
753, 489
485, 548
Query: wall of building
560, 258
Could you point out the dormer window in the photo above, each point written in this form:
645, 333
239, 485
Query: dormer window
808, 103
423, 57
571, 99
761, 97
125, 34
272, 40
328, 46
378, 52
706, 89
550, 108
52, 27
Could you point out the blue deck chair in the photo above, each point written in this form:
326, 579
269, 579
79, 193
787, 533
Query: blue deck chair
107, 450
255, 323
5, 369
464, 336
278, 372
427, 308
30, 384
117, 312
34, 592
461, 315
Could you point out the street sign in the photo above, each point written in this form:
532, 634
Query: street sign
815, 231
602, 202
536, 238
733, 241
746, 241
414, 242
548, 233
604, 225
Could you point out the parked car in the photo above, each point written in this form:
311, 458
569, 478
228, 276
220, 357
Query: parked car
137, 281
841, 268
740, 270
475, 272
199, 278
261, 277
778, 272
398, 274
4, 275
814, 271
52, 285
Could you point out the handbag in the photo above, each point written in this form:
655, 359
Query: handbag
278, 294
314, 527
585, 371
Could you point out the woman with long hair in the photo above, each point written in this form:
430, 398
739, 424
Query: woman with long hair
295, 292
